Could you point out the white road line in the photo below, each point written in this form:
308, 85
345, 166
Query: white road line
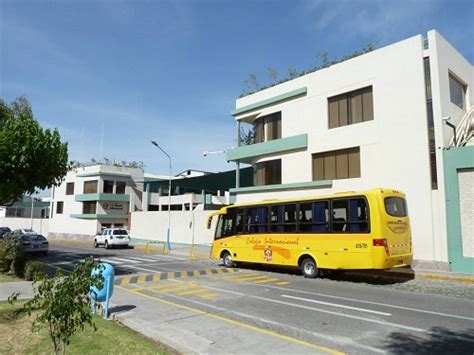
361, 301
144, 269
337, 305
376, 321
142, 259
340, 340
120, 260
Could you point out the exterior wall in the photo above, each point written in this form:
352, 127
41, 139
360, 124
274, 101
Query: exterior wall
154, 225
393, 147
458, 171
63, 225
40, 225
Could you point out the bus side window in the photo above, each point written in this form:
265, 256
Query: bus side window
339, 215
320, 216
226, 224
358, 216
239, 224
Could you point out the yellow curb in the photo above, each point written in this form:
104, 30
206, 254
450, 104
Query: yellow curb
444, 277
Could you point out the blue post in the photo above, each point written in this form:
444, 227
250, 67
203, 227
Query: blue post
168, 245
107, 297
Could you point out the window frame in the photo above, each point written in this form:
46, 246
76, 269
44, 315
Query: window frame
90, 182
119, 184
68, 190
108, 182
369, 220
59, 203
348, 97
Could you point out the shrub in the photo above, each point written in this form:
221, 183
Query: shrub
34, 270
19, 263
9, 248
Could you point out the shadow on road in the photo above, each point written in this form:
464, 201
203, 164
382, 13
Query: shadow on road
373, 277
439, 341
119, 309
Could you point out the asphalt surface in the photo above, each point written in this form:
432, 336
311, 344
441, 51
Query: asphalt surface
348, 315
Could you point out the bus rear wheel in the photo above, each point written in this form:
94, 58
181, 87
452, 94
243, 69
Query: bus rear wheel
227, 260
308, 268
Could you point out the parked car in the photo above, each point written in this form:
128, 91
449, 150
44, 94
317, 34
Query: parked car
34, 243
3, 231
24, 231
111, 237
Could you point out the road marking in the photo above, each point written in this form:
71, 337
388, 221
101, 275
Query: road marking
143, 259
142, 268
209, 296
241, 324
177, 287
121, 260
337, 305
282, 283
367, 302
266, 281
247, 278
376, 321
320, 310
231, 277
343, 340
192, 292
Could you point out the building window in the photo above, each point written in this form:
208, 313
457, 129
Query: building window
457, 92
120, 187
337, 164
267, 173
430, 119
268, 127
350, 108
108, 187
70, 188
59, 207
90, 187
89, 207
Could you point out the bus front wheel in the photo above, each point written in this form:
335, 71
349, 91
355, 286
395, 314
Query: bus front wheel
227, 260
309, 269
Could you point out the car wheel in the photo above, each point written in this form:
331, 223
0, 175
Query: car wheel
95, 243
309, 268
107, 246
227, 260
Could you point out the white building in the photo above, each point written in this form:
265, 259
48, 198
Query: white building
372, 121
95, 197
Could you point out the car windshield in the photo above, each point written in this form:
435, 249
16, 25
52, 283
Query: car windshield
33, 238
120, 232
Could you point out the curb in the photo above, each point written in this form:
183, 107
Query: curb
126, 280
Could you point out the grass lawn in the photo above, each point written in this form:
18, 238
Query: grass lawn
8, 278
111, 338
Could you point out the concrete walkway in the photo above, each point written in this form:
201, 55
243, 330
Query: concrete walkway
25, 288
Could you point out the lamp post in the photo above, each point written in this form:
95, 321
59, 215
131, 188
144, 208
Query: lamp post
168, 245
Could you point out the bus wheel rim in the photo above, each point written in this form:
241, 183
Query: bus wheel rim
228, 259
309, 268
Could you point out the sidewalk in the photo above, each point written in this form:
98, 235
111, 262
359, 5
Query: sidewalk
25, 288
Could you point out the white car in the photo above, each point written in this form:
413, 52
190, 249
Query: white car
111, 237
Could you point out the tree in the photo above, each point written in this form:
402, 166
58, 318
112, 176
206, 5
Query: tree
272, 74
64, 303
30, 157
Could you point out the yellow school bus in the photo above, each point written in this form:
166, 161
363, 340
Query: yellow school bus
342, 231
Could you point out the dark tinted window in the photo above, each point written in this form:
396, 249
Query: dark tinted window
239, 221
314, 217
396, 206
108, 186
120, 187
350, 215
283, 218
226, 224
120, 232
257, 219
70, 188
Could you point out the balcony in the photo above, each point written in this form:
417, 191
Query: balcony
246, 154
103, 197
99, 216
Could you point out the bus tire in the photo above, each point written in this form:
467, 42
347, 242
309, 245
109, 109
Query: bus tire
308, 268
227, 259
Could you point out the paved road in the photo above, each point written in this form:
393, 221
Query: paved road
348, 316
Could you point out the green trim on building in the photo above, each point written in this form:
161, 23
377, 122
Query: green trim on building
292, 186
456, 159
99, 216
271, 101
103, 197
28, 204
103, 173
246, 153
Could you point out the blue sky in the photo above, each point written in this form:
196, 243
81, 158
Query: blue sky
171, 70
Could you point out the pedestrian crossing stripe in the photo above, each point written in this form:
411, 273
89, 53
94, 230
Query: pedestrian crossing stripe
125, 280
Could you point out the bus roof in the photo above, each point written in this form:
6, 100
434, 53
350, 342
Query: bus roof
378, 190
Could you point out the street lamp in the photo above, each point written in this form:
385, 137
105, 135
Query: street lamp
168, 245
